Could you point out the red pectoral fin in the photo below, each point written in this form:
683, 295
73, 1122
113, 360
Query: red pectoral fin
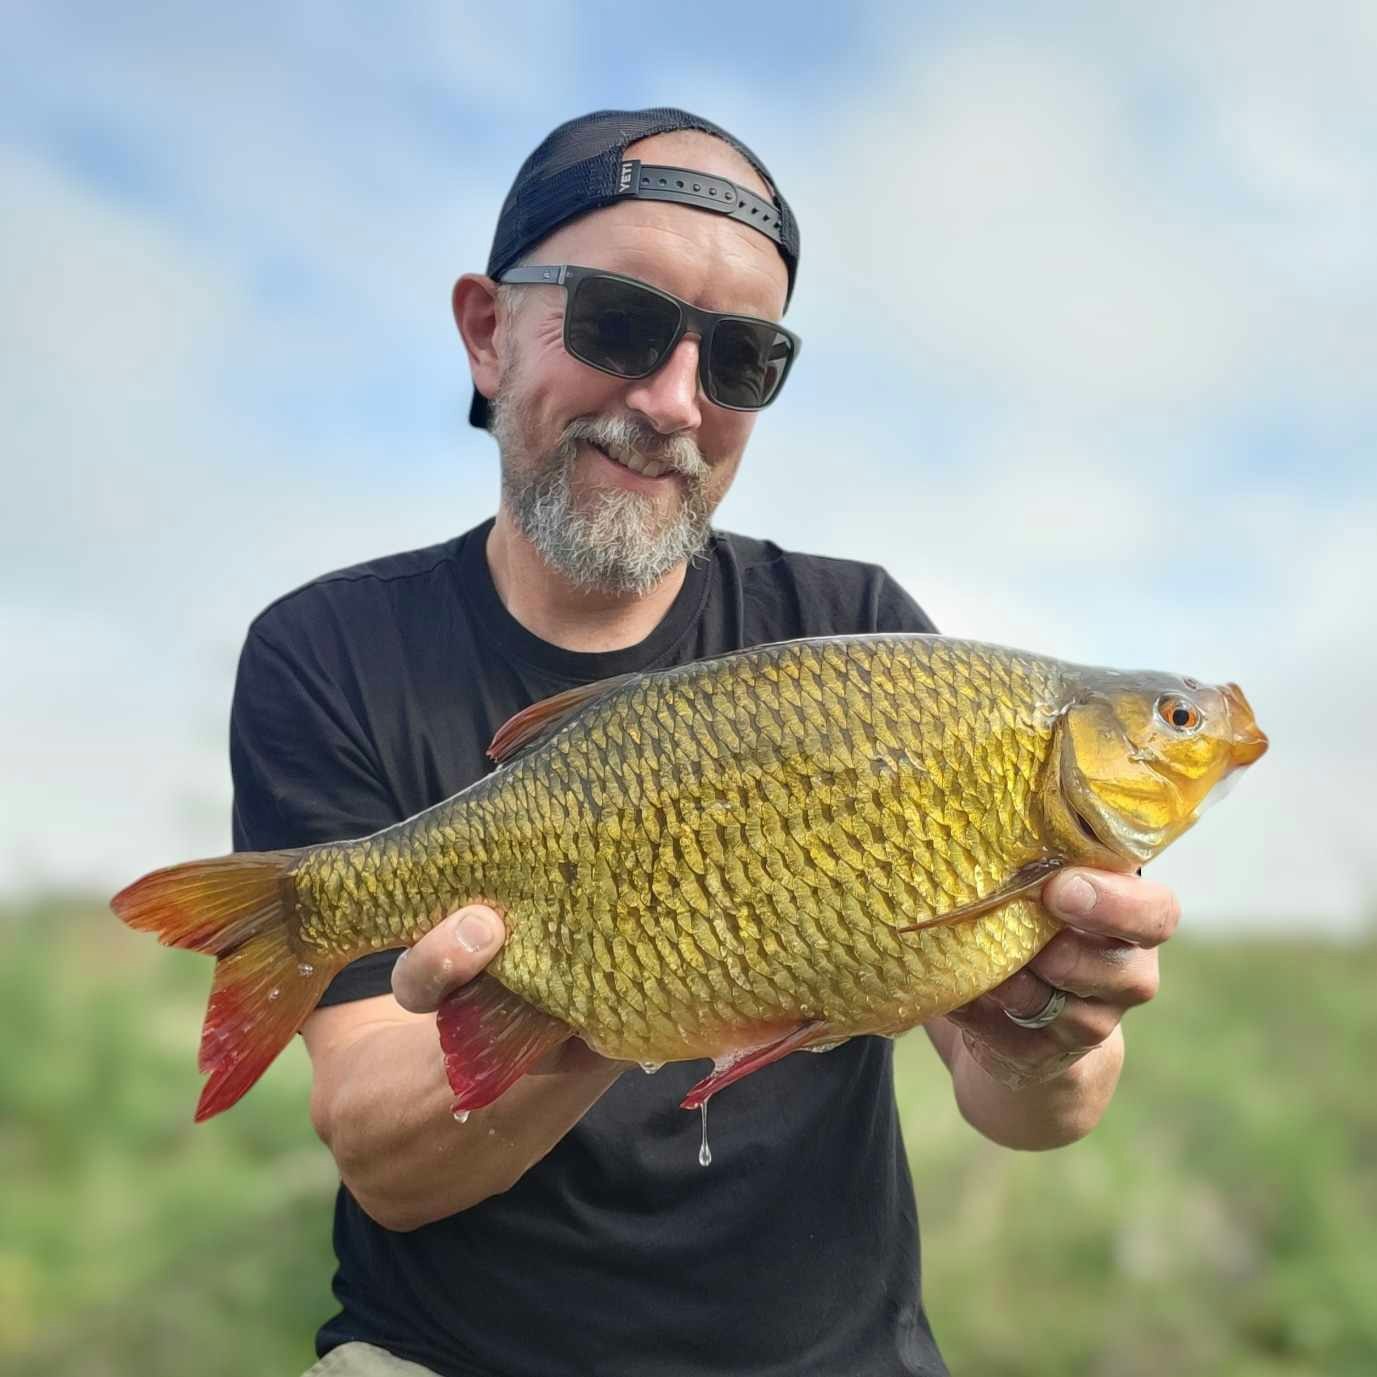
491, 1038
732, 1066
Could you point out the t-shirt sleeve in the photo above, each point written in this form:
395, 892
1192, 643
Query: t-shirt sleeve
894, 610
304, 772
303, 769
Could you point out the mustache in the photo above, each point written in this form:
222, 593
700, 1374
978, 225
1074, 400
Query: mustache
623, 437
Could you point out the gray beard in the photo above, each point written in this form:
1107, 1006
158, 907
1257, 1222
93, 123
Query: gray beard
608, 542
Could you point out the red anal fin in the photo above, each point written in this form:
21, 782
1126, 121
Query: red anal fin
732, 1066
547, 717
491, 1038
1023, 881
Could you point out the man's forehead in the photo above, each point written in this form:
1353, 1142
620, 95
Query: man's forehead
714, 261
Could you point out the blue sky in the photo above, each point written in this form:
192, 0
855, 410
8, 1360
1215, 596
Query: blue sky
1088, 293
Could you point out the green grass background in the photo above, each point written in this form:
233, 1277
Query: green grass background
1222, 1220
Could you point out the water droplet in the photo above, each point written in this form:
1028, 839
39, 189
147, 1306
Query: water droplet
651, 1067
274, 992
461, 1116
704, 1151
305, 968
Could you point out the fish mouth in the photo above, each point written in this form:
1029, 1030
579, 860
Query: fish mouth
1110, 843
1249, 740
1084, 824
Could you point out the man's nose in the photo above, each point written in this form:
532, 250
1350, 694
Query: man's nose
668, 398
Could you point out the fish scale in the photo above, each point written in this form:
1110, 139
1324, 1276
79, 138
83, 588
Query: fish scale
780, 848
855, 788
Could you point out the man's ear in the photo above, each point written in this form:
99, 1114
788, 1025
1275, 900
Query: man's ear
475, 313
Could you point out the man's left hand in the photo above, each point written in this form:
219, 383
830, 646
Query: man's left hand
1105, 960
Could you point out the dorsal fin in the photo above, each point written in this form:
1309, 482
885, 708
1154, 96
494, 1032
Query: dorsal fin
534, 724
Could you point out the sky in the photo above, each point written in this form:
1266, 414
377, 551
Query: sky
1089, 302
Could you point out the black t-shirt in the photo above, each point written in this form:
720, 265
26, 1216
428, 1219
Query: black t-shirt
371, 694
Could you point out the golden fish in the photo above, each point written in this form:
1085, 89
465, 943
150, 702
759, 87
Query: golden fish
778, 848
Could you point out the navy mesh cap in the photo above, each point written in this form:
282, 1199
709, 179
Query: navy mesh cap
582, 166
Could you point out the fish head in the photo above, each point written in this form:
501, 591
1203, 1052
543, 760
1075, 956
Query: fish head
1139, 756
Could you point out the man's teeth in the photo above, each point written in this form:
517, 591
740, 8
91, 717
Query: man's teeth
636, 464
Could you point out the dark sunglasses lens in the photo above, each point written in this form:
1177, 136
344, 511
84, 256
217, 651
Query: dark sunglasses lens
748, 362
618, 326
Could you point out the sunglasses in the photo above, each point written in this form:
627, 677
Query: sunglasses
628, 328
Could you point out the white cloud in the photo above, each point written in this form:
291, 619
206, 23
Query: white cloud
1106, 304
1037, 318
147, 519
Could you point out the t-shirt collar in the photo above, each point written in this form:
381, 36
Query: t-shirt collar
525, 648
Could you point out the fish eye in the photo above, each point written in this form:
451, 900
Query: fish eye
1178, 713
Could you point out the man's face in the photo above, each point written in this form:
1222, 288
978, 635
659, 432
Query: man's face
571, 438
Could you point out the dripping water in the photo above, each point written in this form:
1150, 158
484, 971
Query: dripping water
461, 1116
651, 1067
704, 1151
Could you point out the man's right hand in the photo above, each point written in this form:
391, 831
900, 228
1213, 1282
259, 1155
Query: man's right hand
381, 1103
454, 952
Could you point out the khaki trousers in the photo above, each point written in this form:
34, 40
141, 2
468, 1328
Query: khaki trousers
364, 1360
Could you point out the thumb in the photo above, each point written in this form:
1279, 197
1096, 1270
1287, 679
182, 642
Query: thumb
451, 954
477, 930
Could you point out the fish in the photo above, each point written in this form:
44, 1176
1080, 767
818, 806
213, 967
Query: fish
776, 849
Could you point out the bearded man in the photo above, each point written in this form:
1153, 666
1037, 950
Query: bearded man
621, 344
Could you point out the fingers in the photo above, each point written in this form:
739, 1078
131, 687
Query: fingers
1102, 979
1081, 1025
1023, 994
1017, 1057
1105, 960
449, 955
1100, 968
1125, 907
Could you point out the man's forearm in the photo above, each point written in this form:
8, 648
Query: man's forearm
386, 1118
1044, 1114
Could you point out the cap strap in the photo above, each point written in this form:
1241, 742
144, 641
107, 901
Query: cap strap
653, 183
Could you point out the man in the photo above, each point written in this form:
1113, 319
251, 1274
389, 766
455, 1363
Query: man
568, 1228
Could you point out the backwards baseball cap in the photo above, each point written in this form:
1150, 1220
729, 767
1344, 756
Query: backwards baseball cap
582, 166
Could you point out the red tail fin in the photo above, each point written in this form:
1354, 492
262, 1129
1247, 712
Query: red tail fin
236, 908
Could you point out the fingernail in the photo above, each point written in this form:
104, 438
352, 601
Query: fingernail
474, 932
1076, 897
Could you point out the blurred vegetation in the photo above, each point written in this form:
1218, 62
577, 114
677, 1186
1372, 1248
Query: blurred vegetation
1219, 1222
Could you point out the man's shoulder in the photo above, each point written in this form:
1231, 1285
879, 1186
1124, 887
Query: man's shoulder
759, 558
824, 593
353, 593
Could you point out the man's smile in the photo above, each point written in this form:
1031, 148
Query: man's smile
635, 471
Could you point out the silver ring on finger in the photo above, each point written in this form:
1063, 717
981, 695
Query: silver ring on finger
1049, 1013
